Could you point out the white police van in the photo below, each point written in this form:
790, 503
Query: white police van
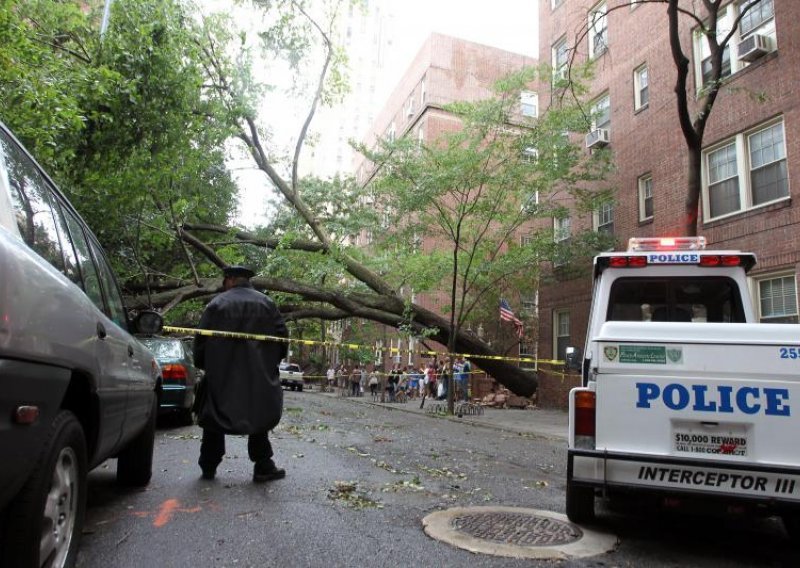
685, 400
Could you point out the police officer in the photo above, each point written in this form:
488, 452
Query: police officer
244, 394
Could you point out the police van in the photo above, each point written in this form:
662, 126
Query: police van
685, 400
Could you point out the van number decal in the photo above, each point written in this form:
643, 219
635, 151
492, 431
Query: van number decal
790, 352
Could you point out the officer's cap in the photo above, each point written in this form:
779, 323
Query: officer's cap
237, 271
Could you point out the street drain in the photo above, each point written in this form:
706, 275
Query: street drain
516, 532
517, 528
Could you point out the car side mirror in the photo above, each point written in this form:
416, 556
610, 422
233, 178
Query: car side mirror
572, 359
148, 322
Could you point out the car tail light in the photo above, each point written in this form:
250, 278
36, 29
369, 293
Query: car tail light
174, 373
584, 419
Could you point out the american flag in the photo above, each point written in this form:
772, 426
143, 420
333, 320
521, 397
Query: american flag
507, 314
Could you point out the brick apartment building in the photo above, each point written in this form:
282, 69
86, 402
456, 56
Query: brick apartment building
445, 70
751, 147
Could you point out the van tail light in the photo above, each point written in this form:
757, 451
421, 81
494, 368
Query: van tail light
721, 260
174, 373
627, 261
584, 419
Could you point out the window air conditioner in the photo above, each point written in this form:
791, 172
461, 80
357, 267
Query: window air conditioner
597, 138
753, 47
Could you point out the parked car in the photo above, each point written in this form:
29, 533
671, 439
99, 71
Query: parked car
291, 376
76, 388
178, 372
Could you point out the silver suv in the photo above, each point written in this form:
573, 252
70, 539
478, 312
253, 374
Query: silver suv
75, 386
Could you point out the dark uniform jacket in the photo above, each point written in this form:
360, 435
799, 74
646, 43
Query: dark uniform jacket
244, 394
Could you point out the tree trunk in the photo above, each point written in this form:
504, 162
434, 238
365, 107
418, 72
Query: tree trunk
694, 184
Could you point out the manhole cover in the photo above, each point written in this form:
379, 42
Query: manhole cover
516, 532
517, 528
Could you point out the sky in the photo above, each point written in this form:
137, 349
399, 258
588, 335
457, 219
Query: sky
507, 24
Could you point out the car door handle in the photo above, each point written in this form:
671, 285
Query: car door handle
130, 350
101, 331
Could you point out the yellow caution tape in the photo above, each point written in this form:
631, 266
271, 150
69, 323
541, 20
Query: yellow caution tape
353, 346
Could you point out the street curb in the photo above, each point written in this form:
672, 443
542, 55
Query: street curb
469, 421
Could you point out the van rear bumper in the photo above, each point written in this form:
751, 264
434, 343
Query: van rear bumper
668, 475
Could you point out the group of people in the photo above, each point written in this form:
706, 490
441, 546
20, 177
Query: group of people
429, 380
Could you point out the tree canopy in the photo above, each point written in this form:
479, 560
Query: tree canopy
137, 128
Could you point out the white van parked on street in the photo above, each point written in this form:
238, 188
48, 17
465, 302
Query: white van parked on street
686, 401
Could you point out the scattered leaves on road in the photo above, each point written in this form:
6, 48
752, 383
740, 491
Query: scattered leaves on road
347, 492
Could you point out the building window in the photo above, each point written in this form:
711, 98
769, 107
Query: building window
560, 333
530, 155
560, 60
777, 299
745, 172
390, 135
531, 203
422, 92
529, 104
756, 17
555, 3
759, 19
409, 109
529, 306
526, 240
601, 113
645, 197
641, 90
420, 137
562, 228
604, 218
598, 30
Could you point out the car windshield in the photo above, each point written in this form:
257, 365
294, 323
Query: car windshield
165, 349
293, 368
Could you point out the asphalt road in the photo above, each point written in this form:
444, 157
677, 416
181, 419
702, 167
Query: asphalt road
359, 480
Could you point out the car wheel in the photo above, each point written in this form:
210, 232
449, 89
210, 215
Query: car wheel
185, 417
135, 463
580, 503
300, 388
43, 523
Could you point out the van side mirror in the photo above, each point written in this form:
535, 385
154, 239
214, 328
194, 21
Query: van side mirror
148, 322
572, 359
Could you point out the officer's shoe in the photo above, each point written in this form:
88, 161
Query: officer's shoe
209, 473
267, 471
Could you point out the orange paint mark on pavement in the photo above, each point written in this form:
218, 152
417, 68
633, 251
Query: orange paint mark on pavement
168, 507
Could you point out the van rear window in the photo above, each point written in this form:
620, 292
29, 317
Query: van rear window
709, 299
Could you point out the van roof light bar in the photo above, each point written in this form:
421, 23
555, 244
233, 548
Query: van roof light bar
641, 244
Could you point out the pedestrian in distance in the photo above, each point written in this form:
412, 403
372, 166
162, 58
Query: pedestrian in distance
243, 391
331, 377
355, 381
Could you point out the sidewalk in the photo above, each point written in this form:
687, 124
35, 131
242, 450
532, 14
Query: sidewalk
543, 423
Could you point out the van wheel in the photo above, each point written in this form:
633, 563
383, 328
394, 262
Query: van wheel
135, 463
43, 523
580, 503
791, 522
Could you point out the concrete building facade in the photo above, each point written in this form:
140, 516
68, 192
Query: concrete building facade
751, 146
